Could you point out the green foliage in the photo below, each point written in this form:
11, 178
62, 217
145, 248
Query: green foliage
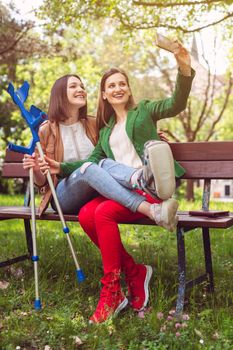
131, 15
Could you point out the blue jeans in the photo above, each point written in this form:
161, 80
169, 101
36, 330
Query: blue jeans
110, 179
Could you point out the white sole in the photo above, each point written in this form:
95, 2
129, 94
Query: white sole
120, 307
169, 218
162, 166
146, 285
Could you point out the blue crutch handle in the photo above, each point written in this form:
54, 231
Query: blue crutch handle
34, 118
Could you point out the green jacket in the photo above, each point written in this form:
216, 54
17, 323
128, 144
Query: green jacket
140, 125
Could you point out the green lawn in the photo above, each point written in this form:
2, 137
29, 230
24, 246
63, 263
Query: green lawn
63, 320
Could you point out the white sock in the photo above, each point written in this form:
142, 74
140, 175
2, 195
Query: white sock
134, 178
155, 212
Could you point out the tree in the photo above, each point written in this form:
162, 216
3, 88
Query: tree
17, 41
18, 44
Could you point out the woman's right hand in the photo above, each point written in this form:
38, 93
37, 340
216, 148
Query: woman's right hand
183, 58
30, 161
47, 164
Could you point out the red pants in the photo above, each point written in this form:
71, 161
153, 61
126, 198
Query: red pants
99, 219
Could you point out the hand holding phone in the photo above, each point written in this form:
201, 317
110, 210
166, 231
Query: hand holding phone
163, 42
181, 54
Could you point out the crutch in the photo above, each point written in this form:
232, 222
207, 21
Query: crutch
35, 113
79, 272
35, 257
34, 118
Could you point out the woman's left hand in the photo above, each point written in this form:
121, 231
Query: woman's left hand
47, 164
182, 57
162, 136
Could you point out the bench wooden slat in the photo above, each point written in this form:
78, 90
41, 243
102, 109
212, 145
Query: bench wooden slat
208, 170
14, 170
185, 220
203, 151
188, 221
13, 157
20, 212
213, 150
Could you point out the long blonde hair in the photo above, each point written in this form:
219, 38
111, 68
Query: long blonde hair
105, 110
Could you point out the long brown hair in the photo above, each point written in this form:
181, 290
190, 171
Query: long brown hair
58, 103
105, 110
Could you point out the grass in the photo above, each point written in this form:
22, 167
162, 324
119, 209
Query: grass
63, 321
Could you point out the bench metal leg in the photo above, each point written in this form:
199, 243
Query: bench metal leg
28, 234
181, 271
208, 258
14, 260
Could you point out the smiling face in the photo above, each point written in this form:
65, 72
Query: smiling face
76, 93
116, 90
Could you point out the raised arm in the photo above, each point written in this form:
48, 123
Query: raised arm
171, 106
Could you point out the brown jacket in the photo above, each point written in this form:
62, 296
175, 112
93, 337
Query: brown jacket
52, 146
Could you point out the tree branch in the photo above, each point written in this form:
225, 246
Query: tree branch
202, 113
145, 25
12, 45
212, 87
164, 71
191, 135
184, 121
172, 4
175, 138
206, 101
228, 93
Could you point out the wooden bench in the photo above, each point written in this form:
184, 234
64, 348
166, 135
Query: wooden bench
202, 160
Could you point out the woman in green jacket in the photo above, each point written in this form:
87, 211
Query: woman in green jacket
124, 128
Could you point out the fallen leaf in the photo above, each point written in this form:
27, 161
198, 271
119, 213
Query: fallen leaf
17, 273
4, 284
77, 341
23, 313
198, 333
215, 336
141, 314
47, 347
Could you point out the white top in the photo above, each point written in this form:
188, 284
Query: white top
77, 146
122, 147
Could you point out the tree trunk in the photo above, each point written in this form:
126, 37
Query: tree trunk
190, 191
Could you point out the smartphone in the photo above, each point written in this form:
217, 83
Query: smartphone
163, 42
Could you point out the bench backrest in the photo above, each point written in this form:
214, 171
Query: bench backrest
12, 166
205, 160
201, 160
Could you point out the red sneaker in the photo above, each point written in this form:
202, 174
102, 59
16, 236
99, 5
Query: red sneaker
110, 304
138, 287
